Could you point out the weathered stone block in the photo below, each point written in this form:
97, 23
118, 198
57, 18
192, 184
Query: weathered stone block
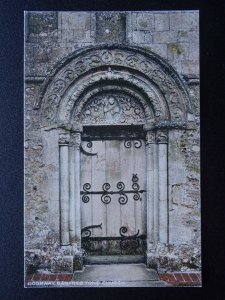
142, 37
160, 49
41, 54
164, 37
186, 36
75, 20
176, 65
184, 20
193, 52
190, 67
161, 21
177, 51
110, 27
143, 21
42, 22
82, 36
67, 36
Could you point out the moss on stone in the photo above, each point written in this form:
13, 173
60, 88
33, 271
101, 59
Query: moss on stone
176, 49
182, 33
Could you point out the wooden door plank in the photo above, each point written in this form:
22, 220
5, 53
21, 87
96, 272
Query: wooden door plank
98, 179
127, 170
86, 177
113, 177
140, 170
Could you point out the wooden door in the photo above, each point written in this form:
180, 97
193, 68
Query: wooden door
113, 196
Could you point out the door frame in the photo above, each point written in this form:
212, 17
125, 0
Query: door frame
156, 186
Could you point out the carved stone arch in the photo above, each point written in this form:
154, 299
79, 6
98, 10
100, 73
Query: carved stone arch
148, 96
142, 69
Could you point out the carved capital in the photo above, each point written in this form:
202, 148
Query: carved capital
150, 138
149, 126
75, 140
64, 138
162, 137
77, 128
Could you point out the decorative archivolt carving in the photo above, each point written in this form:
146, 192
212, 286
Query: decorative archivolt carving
148, 67
154, 105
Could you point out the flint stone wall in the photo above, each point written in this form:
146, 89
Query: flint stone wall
50, 37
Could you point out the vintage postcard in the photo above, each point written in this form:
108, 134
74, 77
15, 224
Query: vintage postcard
112, 149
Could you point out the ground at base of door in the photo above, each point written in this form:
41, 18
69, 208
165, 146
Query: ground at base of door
115, 276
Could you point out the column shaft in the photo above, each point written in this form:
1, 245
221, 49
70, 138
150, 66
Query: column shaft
64, 194
156, 193
163, 204
72, 214
150, 193
77, 194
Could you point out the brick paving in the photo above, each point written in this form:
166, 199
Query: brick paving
182, 279
174, 279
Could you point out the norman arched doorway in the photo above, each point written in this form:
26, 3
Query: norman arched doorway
111, 109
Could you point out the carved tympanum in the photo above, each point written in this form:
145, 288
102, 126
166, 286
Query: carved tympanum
112, 109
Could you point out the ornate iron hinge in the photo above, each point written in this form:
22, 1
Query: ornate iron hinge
89, 145
106, 199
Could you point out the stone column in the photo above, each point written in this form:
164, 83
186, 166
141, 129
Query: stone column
74, 204
72, 218
163, 186
152, 188
64, 187
76, 169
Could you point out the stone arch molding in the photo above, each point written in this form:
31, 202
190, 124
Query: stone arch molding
140, 75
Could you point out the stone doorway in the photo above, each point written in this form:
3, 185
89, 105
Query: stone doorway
112, 87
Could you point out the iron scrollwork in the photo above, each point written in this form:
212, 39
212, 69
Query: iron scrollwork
137, 143
130, 242
136, 188
106, 193
89, 145
85, 197
105, 198
123, 197
86, 234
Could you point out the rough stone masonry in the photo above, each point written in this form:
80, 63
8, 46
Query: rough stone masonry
51, 38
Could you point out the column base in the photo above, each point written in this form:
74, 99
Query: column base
170, 258
70, 259
63, 264
162, 263
78, 262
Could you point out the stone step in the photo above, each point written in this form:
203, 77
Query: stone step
117, 275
